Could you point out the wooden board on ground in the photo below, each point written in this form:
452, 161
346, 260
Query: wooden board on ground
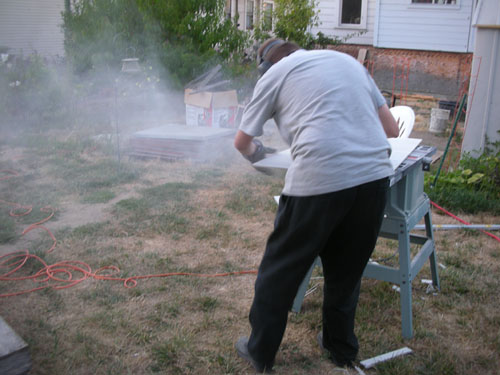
362, 55
437, 156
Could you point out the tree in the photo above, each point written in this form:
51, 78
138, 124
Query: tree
293, 20
183, 35
101, 32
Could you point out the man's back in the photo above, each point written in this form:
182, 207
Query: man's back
325, 105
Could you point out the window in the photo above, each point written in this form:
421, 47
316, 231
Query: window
227, 9
439, 2
351, 12
267, 21
249, 18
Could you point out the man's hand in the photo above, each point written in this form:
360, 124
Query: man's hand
259, 153
252, 149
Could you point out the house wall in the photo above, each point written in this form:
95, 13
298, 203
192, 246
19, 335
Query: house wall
442, 74
424, 27
330, 25
28, 26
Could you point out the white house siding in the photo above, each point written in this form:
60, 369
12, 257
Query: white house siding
32, 26
424, 27
329, 23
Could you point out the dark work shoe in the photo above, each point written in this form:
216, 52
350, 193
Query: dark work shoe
242, 350
337, 361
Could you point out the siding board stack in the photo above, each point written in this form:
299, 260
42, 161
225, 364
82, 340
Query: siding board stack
181, 142
14, 356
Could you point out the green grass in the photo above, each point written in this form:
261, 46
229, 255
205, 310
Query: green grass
99, 196
7, 228
104, 295
188, 325
207, 304
243, 200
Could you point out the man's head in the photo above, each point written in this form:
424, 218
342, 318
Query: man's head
272, 51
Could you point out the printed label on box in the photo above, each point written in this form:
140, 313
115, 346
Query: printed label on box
195, 116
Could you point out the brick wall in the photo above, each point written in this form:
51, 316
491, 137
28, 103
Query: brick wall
441, 74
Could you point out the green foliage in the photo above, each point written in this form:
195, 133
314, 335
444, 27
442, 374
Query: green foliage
322, 40
294, 18
101, 32
185, 37
192, 35
473, 187
32, 91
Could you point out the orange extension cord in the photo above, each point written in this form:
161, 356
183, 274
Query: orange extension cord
61, 275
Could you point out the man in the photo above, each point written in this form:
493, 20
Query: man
329, 110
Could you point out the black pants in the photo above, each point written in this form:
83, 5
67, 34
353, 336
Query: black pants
342, 228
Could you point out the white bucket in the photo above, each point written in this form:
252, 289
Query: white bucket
439, 120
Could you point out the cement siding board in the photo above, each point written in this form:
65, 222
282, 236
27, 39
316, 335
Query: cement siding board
29, 26
402, 25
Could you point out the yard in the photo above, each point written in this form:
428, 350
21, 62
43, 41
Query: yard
166, 247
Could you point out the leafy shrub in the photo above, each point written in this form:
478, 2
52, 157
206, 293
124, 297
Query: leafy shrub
294, 19
473, 187
31, 91
99, 33
183, 36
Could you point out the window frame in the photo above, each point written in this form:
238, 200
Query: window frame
363, 16
436, 6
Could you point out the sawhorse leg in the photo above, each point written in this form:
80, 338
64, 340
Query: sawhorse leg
405, 281
297, 302
408, 267
432, 256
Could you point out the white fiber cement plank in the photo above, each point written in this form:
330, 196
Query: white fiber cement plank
368, 363
184, 132
14, 356
401, 148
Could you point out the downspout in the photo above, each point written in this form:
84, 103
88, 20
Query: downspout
471, 36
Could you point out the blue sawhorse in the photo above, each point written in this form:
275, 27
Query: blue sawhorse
406, 206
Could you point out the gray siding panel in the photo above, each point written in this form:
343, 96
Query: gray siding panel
435, 28
32, 26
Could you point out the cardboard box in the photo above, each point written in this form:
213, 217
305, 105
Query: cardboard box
213, 109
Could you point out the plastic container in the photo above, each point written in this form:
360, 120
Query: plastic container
439, 120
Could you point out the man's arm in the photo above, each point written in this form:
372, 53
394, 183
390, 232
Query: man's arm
390, 125
252, 149
243, 143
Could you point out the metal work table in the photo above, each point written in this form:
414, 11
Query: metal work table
407, 205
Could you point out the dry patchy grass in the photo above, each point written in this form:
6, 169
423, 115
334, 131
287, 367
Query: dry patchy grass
156, 217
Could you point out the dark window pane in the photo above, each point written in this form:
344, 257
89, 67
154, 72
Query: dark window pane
249, 15
351, 11
267, 24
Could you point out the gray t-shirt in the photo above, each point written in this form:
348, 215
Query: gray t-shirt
325, 105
